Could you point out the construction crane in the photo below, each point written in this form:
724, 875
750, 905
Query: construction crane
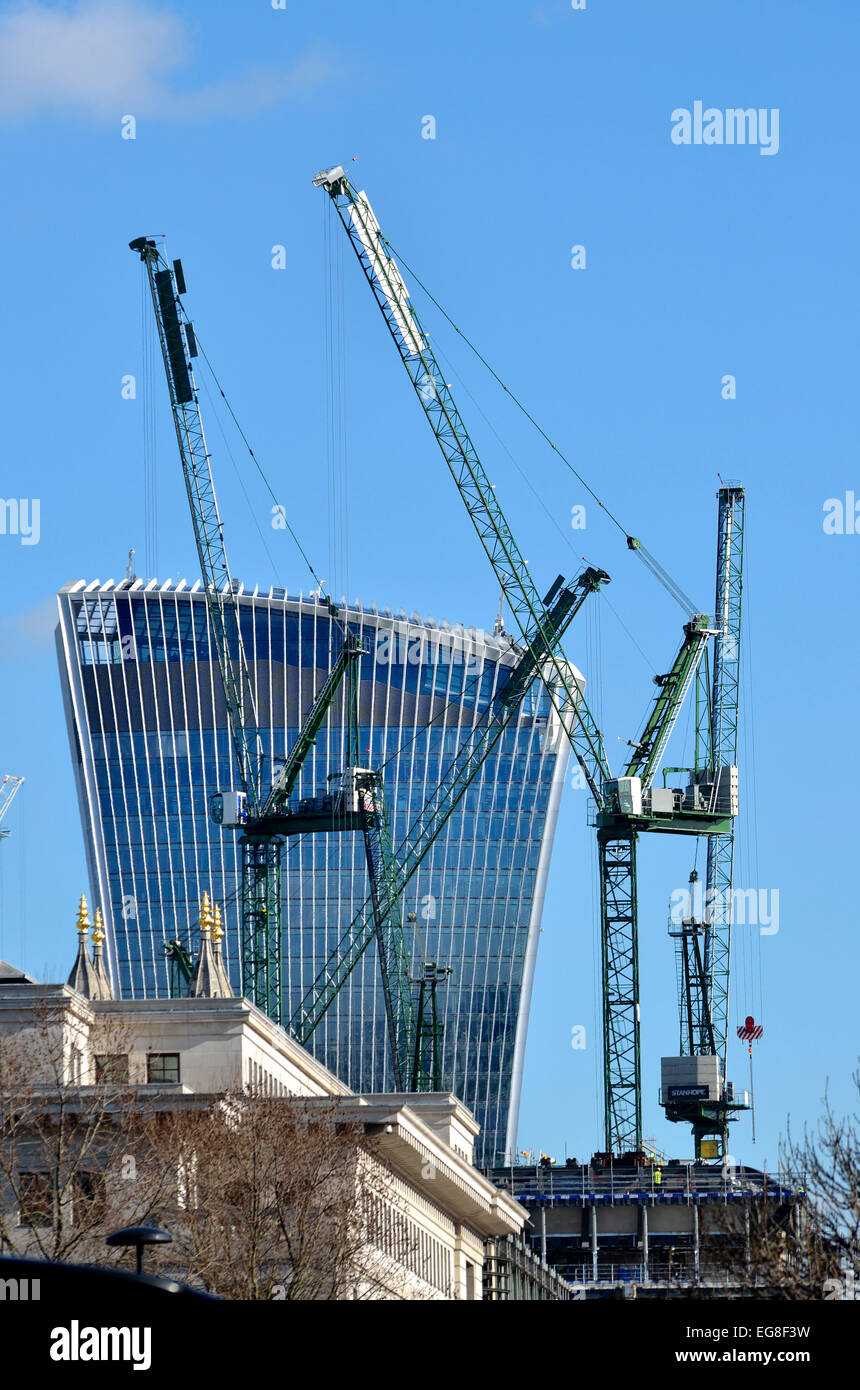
180, 966
695, 1090
629, 806
427, 1059
624, 806
356, 802
9, 788
566, 600
632, 805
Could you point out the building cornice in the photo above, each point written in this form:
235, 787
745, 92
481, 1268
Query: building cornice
415, 1150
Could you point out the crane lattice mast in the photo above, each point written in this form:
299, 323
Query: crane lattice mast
703, 937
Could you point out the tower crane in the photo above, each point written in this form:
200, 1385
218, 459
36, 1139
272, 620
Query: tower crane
265, 818
703, 938
625, 806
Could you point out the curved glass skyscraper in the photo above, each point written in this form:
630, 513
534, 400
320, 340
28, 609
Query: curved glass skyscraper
147, 727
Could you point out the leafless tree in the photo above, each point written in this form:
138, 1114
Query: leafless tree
809, 1246
277, 1199
265, 1197
65, 1142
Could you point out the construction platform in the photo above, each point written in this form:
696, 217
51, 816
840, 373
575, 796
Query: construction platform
648, 1229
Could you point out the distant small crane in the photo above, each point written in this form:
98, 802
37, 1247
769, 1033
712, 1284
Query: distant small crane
9, 788
181, 967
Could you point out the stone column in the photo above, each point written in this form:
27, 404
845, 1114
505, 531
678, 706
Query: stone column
594, 1241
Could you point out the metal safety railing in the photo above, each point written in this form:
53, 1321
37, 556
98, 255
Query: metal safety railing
675, 1274
681, 1182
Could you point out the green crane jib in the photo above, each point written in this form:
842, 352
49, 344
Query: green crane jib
261, 852
672, 690
624, 806
178, 346
181, 967
286, 779
703, 937
473, 485
430, 821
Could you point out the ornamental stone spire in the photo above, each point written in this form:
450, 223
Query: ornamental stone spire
217, 941
207, 982
99, 969
83, 977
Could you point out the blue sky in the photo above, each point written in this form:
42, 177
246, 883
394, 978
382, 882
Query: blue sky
552, 129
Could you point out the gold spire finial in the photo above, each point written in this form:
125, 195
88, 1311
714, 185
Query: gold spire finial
98, 934
83, 915
205, 914
217, 929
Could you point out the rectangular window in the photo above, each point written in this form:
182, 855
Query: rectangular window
112, 1068
162, 1068
36, 1199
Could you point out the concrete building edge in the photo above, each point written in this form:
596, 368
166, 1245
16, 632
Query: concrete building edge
520, 1039
87, 798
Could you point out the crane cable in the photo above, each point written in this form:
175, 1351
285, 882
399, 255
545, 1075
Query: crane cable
256, 461
149, 431
430, 722
755, 985
303, 552
336, 449
542, 504
454, 701
649, 560
240, 479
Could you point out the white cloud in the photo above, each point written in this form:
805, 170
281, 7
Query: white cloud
32, 630
101, 58
548, 14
